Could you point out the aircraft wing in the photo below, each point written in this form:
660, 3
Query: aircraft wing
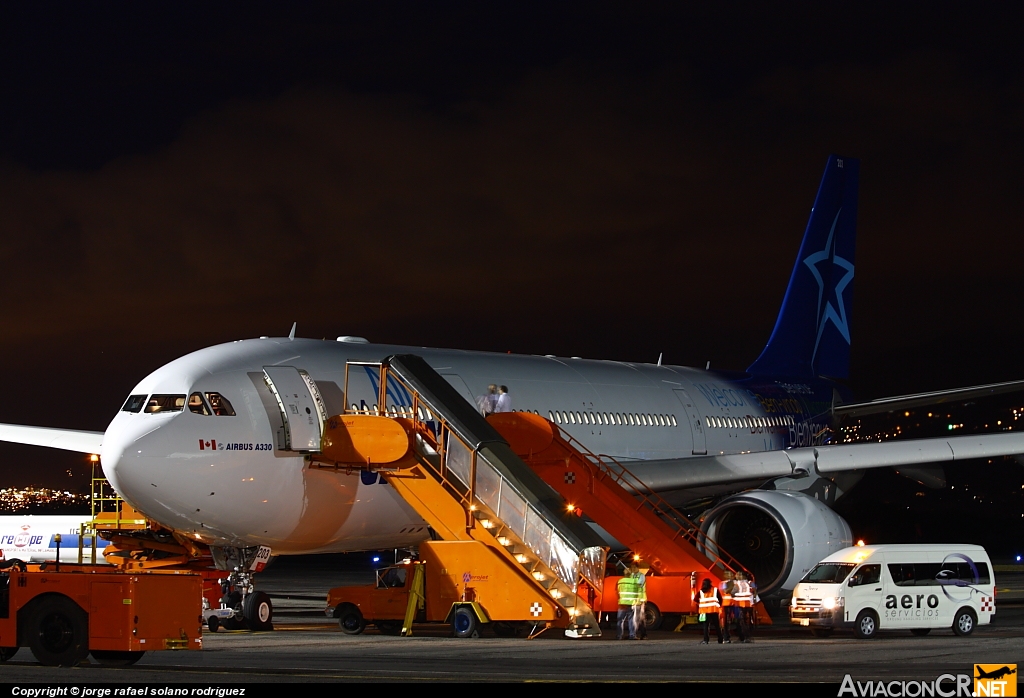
66, 439
905, 402
697, 471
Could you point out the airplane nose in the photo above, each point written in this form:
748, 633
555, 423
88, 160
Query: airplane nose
123, 444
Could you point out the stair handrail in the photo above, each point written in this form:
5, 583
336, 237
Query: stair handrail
421, 414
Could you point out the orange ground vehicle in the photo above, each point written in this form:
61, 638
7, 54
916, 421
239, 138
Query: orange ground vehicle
457, 582
669, 593
64, 612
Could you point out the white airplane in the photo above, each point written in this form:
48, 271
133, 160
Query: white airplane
214, 444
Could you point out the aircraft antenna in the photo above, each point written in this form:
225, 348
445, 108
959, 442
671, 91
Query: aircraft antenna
291, 335
708, 367
659, 357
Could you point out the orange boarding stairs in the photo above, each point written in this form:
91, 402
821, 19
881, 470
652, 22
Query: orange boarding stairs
458, 474
617, 501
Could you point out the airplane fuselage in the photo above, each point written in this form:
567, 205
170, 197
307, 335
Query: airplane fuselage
225, 480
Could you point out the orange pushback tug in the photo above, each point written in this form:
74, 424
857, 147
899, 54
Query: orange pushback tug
63, 612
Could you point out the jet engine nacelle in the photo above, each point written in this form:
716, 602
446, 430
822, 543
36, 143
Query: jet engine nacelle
777, 535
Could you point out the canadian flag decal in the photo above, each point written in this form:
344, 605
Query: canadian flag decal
211, 444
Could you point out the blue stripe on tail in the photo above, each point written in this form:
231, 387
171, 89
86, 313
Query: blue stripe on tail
812, 333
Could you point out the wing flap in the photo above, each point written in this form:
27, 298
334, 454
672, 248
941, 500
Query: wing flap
65, 439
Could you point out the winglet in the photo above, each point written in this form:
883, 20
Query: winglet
291, 335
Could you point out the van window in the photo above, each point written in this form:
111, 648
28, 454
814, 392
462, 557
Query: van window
829, 572
165, 403
868, 574
929, 574
962, 572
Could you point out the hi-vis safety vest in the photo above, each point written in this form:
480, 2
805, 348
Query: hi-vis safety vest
743, 596
709, 603
641, 589
629, 591
726, 588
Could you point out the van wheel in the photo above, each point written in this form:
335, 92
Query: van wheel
920, 632
465, 623
866, 626
58, 632
964, 622
116, 658
7, 652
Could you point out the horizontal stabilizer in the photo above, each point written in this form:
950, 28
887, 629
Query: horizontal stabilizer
65, 439
683, 473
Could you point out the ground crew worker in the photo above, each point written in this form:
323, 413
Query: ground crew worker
725, 589
709, 604
640, 607
743, 600
629, 592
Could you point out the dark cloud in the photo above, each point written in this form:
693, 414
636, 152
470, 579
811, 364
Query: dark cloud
607, 184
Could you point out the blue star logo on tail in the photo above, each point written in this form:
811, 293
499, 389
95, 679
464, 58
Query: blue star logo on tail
827, 257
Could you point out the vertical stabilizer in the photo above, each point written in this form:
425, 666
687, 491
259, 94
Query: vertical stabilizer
812, 333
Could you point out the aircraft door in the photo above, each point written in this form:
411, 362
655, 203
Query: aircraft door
700, 446
301, 407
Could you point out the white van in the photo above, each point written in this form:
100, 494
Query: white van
897, 587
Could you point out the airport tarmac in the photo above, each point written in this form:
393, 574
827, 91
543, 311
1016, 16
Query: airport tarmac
308, 647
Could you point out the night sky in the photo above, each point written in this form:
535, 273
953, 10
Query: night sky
596, 180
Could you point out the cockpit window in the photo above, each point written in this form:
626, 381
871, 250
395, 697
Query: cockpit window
165, 403
197, 405
134, 403
220, 405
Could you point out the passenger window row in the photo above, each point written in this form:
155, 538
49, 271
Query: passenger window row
749, 422
635, 419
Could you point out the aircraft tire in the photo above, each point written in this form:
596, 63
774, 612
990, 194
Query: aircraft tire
58, 632
964, 622
258, 611
116, 658
213, 624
